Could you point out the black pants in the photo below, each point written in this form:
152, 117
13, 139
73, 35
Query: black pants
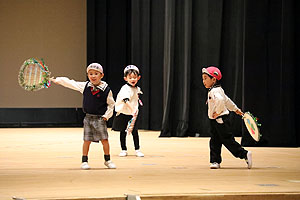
120, 124
221, 134
135, 136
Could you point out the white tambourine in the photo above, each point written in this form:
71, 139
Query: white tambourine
252, 126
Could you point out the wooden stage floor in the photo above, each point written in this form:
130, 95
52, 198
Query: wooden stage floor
44, 163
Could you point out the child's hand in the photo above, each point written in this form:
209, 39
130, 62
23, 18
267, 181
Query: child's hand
134, 113
239, 112
215, 115
52, 79
104, 119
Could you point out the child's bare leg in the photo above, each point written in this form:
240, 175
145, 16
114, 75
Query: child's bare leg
86, 147
107, 162
105, 144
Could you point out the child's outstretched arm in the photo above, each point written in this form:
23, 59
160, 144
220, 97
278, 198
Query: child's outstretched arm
224, 102
232, 106
66, 82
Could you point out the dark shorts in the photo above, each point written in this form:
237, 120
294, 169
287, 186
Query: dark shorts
120, 122
95, 128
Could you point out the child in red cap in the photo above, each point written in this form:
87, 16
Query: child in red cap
219, 105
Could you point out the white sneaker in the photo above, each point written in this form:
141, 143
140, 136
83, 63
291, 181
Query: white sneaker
215, 165
138, 153
109, 164
249, 159
85, 165
123, 153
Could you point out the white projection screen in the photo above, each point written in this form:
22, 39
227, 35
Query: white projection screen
54, 30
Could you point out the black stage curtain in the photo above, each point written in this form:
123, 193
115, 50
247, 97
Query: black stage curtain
199, 34
252, 41
270, 70
254, 44
123, 32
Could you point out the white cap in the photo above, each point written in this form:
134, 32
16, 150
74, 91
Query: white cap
95, 66
129, 67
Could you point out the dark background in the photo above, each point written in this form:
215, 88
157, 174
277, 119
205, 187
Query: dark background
253, 42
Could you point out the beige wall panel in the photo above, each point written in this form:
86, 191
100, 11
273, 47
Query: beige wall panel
54, 30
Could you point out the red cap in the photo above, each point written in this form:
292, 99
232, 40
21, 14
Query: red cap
213, 71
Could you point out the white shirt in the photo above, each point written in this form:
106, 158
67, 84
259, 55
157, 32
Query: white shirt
218, 102
79, 86
131, 93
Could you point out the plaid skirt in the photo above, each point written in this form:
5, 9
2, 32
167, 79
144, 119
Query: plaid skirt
95, 128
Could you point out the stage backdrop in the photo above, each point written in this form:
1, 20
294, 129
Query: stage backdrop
253, 42
120, 33
54, 30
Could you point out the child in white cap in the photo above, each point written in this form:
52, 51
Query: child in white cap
98, 104
127, 104
219, 105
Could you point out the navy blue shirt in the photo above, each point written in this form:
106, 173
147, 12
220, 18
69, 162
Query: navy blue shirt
95, 102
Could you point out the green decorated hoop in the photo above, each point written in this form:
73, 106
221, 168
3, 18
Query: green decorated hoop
34, 75
252, 125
